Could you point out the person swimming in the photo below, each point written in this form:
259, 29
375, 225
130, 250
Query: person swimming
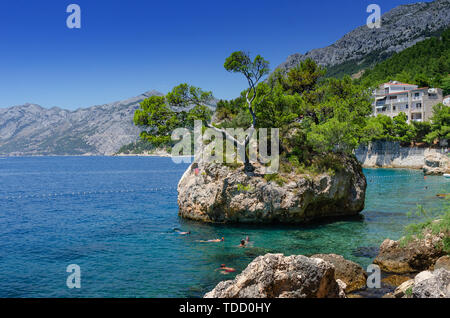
177, 230
213, 241
225, 270
245, 242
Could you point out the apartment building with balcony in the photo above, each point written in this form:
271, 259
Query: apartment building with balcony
395, 97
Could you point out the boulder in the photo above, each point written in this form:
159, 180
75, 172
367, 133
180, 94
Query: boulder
279, 276
436, 164
221, 193
401, 291
443, 262
395, 280
417, 255
434, 284
347, 271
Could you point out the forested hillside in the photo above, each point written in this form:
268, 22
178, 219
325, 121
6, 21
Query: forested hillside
427, 63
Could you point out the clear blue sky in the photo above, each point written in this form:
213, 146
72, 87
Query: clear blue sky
125, 48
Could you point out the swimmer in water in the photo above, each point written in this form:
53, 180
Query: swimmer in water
213, 241
177, 230
245, 242
225, 270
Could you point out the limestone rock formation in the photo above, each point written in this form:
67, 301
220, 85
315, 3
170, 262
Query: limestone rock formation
443, 262
417, 255
213, 192
436, 164
352, 274
402, 290
279, 276
434, 284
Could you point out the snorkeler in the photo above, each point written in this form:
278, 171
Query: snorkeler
225, 270
245, 242
181, 232
213, 241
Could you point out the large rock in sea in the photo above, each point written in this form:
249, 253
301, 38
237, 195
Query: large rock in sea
417, 255
279, 276
213, 192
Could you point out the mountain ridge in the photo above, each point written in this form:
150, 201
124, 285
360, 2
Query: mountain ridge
401, 27
31, 129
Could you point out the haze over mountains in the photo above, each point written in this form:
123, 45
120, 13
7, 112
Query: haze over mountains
98, 130
101, 130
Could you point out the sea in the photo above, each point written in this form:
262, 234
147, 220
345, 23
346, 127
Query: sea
116, 219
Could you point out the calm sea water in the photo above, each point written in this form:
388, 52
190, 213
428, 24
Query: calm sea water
114, 217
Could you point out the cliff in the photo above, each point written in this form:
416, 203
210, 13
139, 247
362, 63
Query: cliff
392, 155
220, 193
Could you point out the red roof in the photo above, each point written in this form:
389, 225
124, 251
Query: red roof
402, 84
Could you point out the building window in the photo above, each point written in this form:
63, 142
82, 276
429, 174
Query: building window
419, 105
416, 94
393, 107
406, 107
386, 90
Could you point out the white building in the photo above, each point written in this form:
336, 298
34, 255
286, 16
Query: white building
395, 97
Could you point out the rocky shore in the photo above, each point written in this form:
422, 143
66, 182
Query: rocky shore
222, 193
388, 154
419, 268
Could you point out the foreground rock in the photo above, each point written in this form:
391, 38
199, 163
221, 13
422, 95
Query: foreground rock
434, 284
219, 193
443, 262
347, 271
276, 275
436, 164
417, 255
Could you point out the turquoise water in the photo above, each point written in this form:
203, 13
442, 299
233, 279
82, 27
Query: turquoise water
113, 216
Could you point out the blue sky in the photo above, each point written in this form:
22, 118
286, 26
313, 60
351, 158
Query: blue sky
125, 48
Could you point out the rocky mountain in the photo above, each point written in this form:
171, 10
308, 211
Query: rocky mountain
99, 130
400, 28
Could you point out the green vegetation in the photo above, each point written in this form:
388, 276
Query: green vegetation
427, 63
318, 117
408, 292
275, 177
157, 115
142, 146
244, 188
434, 223
385, 128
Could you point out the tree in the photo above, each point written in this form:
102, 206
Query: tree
440, 124
446, 85
333, 135
402, 131
421, 129
156, 112
253, 71
302, 77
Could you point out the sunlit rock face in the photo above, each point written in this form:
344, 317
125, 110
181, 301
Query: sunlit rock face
213, 192
279, 276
